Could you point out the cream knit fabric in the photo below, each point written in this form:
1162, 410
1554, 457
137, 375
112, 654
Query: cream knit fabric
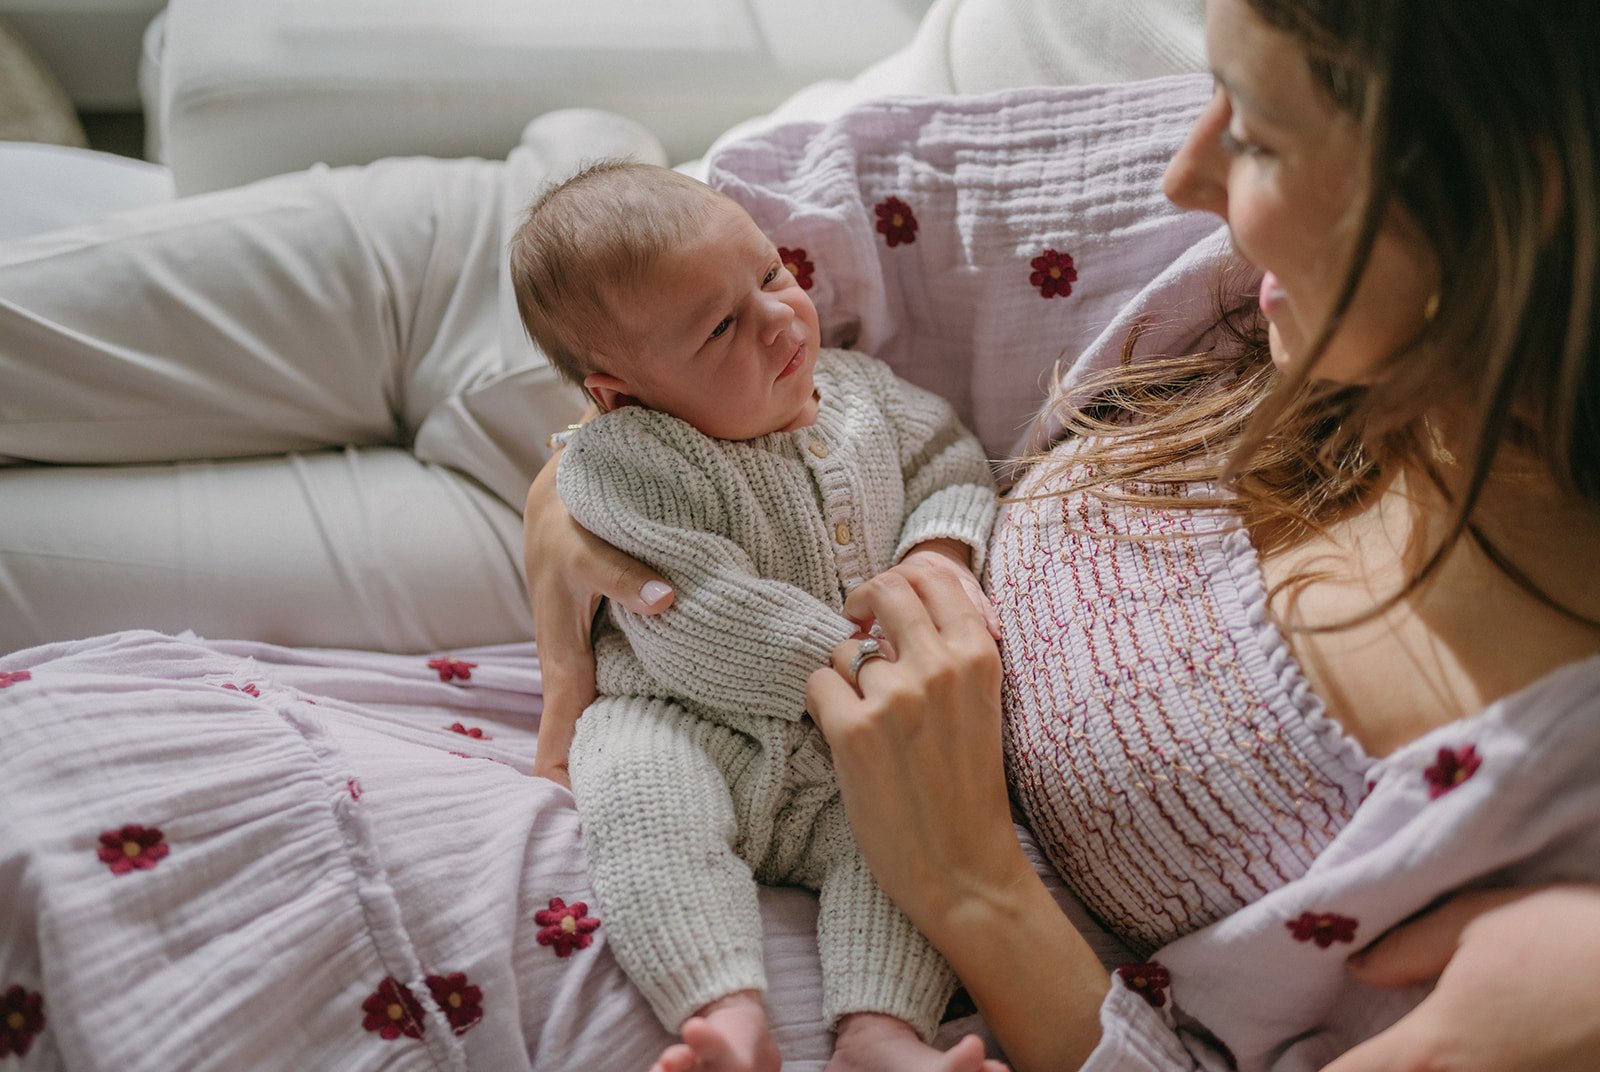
696, 771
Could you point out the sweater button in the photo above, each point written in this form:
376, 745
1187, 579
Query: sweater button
841, 532
819, 448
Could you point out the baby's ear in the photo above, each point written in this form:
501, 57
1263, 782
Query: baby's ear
609, 392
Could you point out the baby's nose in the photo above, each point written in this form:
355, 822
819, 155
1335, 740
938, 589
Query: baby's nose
775, 326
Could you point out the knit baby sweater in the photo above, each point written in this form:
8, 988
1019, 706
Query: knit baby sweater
762, 539
695, 769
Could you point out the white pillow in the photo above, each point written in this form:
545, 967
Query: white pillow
45, 187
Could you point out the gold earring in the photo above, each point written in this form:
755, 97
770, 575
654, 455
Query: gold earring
1441, 453
1431, 308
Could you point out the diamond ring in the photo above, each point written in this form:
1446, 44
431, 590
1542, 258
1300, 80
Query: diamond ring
866, 651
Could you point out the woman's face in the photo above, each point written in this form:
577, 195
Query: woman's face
1274, 157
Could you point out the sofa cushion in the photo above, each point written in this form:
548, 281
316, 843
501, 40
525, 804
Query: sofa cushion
251, 88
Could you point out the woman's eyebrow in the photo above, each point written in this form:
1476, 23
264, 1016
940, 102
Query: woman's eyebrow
1254, 105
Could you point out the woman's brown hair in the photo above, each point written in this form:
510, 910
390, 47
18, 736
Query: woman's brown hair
1479, 120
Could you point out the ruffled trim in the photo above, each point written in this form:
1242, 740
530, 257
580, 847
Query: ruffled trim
1269, 657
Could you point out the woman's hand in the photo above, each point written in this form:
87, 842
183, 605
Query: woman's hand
569, 570
1517, 975
917, 752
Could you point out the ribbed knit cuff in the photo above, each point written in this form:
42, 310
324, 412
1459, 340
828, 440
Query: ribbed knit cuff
679, 994
875, 960
964, 512
914, 986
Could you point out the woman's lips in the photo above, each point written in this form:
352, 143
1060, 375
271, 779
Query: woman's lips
1272, 294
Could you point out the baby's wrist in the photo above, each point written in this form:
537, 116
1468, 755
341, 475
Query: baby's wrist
950, 548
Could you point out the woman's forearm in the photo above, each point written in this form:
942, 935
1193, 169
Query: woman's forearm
1031, 974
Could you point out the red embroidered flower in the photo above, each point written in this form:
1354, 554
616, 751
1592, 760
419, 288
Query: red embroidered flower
450, 669
896, 222
21, 1020
795, 261
1053, 274
469, 731
1451, 769
133, 848
1324, 928
462, 1003
249, 689
567, 927
1149, 981
11, 677
392, 1011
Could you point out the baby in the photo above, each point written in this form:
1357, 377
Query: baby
764, 478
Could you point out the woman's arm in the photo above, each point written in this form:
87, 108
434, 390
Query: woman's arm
918, 756
569, 571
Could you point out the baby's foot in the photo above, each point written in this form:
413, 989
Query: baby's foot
871, 1042
729, 1035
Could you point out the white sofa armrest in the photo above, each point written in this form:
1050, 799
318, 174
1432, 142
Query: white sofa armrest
250, 88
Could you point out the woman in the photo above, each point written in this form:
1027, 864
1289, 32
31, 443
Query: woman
1414, 456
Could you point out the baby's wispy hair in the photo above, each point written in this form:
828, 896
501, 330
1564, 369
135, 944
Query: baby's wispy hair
585, 238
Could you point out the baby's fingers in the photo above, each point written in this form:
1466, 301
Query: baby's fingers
991, 618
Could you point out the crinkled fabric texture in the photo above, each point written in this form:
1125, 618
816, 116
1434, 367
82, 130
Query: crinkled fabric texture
975, 244
1166, 748
326, 829
331, 820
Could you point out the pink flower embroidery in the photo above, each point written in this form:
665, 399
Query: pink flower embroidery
469, 731
392, 1011
354, 787
794, 260
462, 1002
450, 669
1452, 767
1324, 928
11, 677
133, 848
249, 689
1149, 981
1053, 274
21, 1020
896, 222
566, 927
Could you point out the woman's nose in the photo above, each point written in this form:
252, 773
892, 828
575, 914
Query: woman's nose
1196, 176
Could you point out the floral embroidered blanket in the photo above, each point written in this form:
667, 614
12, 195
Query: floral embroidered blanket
976, 243
229, 855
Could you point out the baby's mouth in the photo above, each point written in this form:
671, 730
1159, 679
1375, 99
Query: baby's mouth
793, 364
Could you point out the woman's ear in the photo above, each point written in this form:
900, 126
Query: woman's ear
609, 392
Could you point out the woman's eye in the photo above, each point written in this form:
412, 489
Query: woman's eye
717, 332
772, 273
1234, 145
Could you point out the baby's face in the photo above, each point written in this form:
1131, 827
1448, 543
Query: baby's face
724, 337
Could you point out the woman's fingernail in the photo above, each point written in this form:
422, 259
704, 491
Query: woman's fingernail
654, 592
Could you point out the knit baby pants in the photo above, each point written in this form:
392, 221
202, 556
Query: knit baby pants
683, 816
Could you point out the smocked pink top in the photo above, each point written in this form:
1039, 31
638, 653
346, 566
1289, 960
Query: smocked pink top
1160, 738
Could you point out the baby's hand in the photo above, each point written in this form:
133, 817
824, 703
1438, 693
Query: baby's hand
954, 559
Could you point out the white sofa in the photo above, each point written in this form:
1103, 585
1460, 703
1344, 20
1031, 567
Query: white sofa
248, 89
89, 549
